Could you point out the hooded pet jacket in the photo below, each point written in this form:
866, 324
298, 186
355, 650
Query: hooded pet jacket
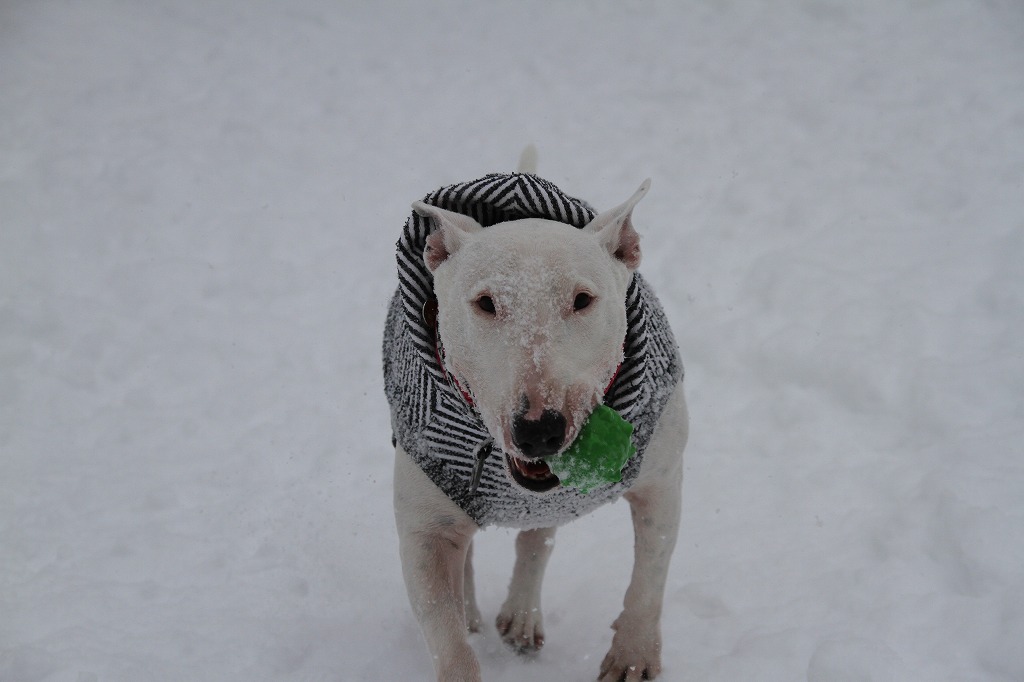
437, 427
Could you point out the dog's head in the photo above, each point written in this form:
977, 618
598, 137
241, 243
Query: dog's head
531, 317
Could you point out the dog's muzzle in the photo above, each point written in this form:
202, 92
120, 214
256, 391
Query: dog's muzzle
536, 439
539, 437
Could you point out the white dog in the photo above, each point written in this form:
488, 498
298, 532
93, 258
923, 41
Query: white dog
500, 342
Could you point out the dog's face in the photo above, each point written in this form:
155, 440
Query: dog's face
531, 315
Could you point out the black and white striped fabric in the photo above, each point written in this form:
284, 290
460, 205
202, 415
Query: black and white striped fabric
433, 422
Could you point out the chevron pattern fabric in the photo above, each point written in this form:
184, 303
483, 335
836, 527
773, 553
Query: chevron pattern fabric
430, 418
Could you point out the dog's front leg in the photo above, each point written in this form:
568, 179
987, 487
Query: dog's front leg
520, 621
434, 538
635, 653
655, 504
474, 620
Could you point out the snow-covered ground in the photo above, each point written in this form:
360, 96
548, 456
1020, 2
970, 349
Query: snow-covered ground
198, 209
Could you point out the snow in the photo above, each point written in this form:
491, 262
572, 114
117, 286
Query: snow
198, 210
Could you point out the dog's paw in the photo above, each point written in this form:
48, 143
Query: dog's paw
521, 630
635, 653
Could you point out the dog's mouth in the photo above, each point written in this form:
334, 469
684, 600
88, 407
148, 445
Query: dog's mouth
534, 475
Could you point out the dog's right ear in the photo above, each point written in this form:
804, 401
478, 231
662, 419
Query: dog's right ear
453, 229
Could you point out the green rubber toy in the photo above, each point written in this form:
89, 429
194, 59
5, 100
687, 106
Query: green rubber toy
598, 454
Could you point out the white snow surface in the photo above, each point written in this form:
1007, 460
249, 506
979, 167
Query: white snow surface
198, 208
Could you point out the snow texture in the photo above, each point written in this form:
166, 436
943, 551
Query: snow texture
198, 205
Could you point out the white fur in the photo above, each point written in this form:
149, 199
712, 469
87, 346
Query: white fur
535, 350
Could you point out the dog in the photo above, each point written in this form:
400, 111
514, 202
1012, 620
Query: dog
519, 310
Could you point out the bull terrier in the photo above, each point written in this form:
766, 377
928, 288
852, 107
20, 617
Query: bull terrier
518, 312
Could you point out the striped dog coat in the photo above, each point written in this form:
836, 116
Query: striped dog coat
442, 432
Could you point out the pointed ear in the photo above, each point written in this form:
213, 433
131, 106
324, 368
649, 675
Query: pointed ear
614, 228
453, 230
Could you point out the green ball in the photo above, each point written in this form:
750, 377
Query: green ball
598, 454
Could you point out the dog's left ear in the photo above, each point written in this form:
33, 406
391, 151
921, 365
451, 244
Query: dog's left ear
453, 229
614, 228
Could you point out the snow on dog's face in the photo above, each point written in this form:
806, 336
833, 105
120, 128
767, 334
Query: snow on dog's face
531, 315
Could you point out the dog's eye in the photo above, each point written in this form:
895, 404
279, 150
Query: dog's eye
582, 300
486, 304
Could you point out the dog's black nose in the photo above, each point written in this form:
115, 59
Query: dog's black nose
539, 437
